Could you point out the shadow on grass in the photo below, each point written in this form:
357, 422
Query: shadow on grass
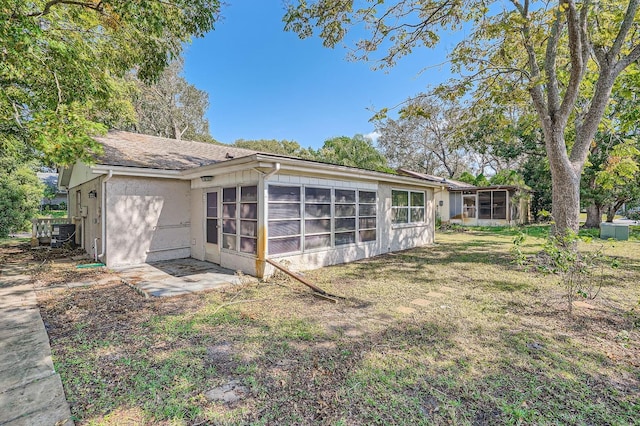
298, 370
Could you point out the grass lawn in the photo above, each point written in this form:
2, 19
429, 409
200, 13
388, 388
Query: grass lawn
52, 214
449, 334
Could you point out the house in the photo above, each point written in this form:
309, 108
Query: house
148, 198
462, 203
50, 180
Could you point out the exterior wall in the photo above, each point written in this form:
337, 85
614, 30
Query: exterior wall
148, 219
81, 174
518, 214
86, 214
390, 237
442, 211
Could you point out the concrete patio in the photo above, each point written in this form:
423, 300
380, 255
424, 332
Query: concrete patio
178, 277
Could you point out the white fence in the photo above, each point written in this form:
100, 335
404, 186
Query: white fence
41, 227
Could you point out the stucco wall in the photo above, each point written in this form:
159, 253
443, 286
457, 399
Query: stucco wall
88, 223
148, 219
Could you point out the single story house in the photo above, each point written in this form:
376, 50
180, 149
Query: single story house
462, 203
50, 179
148, 198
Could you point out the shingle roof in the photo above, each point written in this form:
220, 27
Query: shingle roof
136, 150
450, 183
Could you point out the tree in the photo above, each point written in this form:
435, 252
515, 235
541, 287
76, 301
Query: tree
565, 56
610, 178
20, 189
63, 63
171, 107
424, 139
283, 147
357, 151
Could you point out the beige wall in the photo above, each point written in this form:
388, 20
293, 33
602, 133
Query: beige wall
86, 214
148, 219
151, 219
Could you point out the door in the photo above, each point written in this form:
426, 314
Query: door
212, 229
469, 207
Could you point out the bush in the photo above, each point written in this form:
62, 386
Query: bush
634, 215
20, 195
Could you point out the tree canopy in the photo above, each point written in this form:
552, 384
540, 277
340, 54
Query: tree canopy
62, 65
424, 138
171, 107
563, 56
280, 147
357, 151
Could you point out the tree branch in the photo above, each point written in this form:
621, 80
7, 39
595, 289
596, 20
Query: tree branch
553, 93
47, 7
626, 25
577, 49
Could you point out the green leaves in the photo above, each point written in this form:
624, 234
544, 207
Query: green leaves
65, 135
62, 64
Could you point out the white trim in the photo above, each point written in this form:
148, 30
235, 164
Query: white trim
270, 163
136, 171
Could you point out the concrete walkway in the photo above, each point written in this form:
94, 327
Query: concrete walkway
177, 277
31, 392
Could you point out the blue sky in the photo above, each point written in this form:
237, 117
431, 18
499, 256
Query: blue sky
265, 83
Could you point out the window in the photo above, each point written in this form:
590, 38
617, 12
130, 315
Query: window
229, 221
285, 230
248, 219
345, 217
313, 218
212, 217
499, 204
239, 218
407, 207
492, 205
317, 218
469, 206
484, 205
367, 218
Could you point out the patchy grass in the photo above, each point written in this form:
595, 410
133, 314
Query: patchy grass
486, 343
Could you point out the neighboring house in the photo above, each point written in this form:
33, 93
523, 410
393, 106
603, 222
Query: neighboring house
462, 203
51, 180
149, 198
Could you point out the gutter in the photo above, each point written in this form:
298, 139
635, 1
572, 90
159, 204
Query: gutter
276, 169
103, 220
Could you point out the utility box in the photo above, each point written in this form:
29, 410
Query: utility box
63, 234
617, 231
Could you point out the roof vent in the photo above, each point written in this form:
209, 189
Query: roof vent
228, 156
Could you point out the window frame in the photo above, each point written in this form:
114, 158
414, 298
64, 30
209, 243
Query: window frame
237, 236
334, 204
409, 208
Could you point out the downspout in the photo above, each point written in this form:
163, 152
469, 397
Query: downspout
103, 222
261, 253
276, 169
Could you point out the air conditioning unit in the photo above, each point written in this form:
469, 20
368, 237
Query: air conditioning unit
63, 234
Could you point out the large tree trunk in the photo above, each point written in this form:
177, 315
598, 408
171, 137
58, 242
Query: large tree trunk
565, 201
594, 215
565, 183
